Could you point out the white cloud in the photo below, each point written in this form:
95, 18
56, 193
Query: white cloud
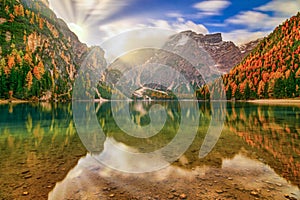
86, 11
243, 36
189, 25
179, 25
286, 8
211, 7
117, 27
174, 14
255, 20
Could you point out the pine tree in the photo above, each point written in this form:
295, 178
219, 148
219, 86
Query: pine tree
247, 91
279, 88
238, 94
266, 91
290, 86
3, 85
229, 93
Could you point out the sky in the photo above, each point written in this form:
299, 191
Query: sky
95, 21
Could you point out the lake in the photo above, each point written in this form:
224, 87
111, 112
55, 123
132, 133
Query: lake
202, 151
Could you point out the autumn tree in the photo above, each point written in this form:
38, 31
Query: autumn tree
19, 10
29, 79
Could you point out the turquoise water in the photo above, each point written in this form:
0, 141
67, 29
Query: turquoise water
43, 156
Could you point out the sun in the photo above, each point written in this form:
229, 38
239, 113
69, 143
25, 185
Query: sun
78, 30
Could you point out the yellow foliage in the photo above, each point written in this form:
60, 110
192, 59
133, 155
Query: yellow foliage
7, 9
32, 18
28, 13
29, 80
41, 68
19, 10
41, 23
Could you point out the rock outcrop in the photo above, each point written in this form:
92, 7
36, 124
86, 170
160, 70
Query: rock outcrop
225, 54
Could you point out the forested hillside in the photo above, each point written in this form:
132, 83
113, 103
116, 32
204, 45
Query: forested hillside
272, 69
39, 55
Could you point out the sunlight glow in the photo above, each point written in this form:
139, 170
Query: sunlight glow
78, 30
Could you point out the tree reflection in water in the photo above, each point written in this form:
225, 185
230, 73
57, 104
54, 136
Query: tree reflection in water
42, 138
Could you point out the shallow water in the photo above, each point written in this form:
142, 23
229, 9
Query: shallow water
256, 155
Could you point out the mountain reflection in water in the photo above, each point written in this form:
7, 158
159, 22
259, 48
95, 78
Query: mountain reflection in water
258, 150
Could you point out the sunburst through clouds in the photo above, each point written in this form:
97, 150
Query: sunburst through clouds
83, 15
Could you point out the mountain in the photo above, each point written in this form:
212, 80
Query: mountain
39, 55
198, 58
247, 48
40, 58
271, 70
224, 54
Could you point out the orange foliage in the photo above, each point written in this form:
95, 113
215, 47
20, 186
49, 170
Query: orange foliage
255, 81
274, 58
28, 13
12, 17
28, 58
10, 61
19, 59
32, 18
29, 80
243, 86
234, 88
41, 23
41, 68
298, 73
261, 86
25, 38
287, 74
36, 73
276, 75
19, 10
265, 76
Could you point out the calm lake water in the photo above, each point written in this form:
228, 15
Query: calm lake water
256, 155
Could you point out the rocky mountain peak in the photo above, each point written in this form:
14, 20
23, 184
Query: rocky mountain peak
201, 38
248, 47
225, 54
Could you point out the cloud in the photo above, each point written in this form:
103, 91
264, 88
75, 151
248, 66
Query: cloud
179, 25
86, 11
212, 7
243, 36
174, 14
257, 23
117, 27
281, 8
255, 20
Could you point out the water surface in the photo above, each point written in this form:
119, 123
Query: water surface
257, 154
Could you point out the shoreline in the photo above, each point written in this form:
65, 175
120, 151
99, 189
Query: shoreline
278, 102
294, 101
15, 101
